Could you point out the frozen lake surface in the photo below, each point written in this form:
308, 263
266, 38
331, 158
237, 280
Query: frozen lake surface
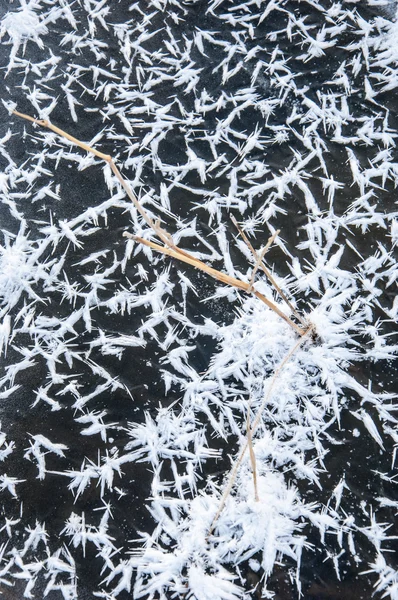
163, 434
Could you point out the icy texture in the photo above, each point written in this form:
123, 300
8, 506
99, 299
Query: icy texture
128, 381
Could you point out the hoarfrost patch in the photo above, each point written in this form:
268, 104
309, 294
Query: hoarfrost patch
130, 386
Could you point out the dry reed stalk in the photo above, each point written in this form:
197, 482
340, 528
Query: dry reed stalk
259, 263
170, 248
234, 471
163, 235
219, 275
251, 452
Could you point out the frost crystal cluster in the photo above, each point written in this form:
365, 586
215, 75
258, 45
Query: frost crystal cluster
164, 435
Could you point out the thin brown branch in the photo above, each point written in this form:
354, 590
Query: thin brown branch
62, 133
170, 247
163, 235
260, 263
223, 277
256, 422
256, 266
251, 453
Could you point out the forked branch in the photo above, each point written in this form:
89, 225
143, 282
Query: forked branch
259, 258
219, 275
170, 248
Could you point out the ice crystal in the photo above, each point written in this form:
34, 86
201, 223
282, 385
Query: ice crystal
129, 383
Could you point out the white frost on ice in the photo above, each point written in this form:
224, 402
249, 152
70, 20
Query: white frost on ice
257, 110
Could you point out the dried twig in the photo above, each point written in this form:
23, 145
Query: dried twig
219, 275
256, 266
260, 263
169, 248
256, 422
251, 453
163, 235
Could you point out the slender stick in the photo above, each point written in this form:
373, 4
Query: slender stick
170, 247
259, 260
259, 263
223, 277
256, 422
251, 453
163, 235
62, 133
